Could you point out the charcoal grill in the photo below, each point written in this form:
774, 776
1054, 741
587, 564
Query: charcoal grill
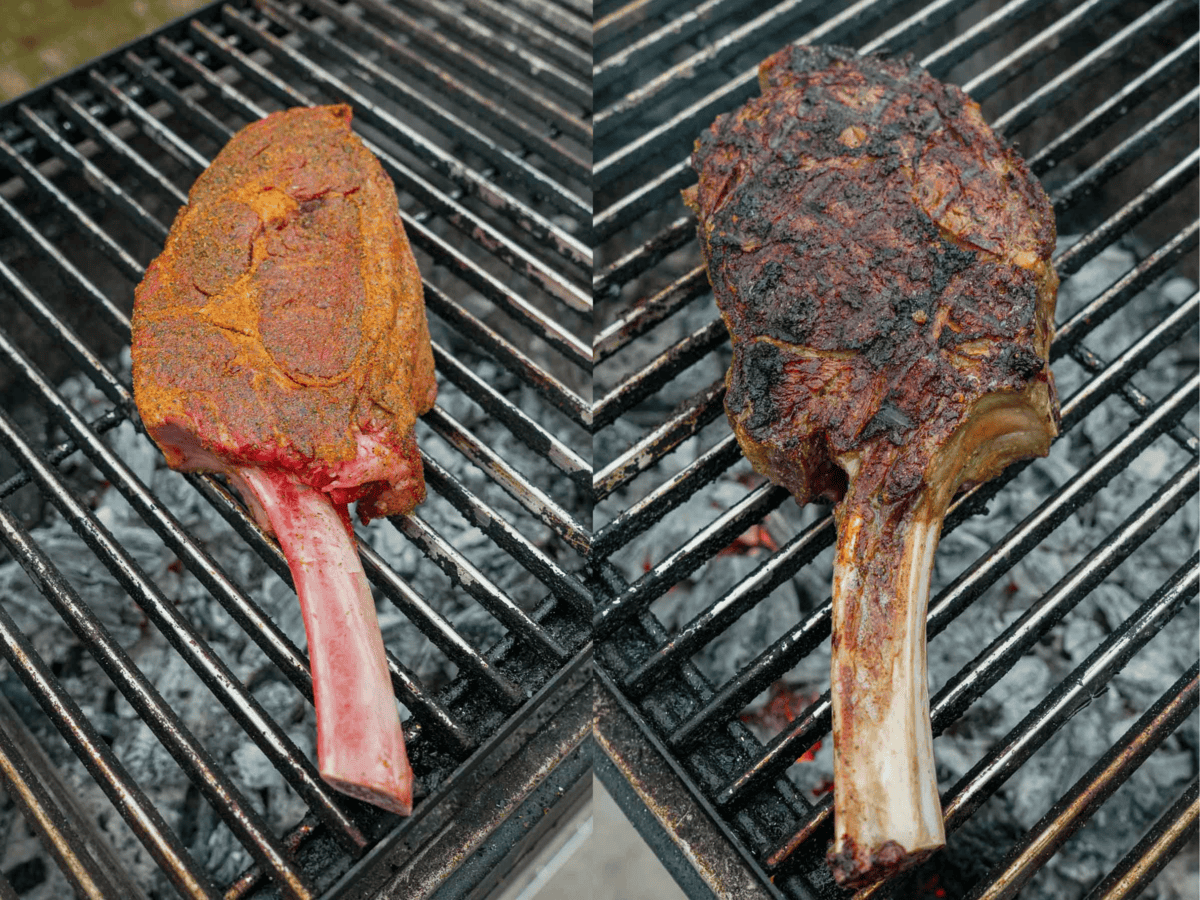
481, 118
711, 587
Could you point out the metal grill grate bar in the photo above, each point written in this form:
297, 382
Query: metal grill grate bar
513, 358
688, 557
644, 316
641, 514
1071, 260
520, 489
1127, 151
56, 454
943, 608
942, 60
1072, 694
127, 797
112, 316
437, 42
234, 809
474, 183
1079, 325
98, 131
1074, 138
656, 373
33, 305
1141, 865
608, 283
435, 77
33, 785
624, 17
683, 126
707, 405
432, 113
182, 105
1034, 50
536, 35
574, 349
531, 433
627, 62
503, 246
490, 597
968, 41
1070, 813
105, 186
572, 86
536, 562
93, 233
647, 196
778, 18
781, 566
169, 142
434, 626
1062, 85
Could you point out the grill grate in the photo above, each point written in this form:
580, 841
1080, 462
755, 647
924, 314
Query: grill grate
495, 197
690, 633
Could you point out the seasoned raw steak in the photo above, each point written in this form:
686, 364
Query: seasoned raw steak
280, 338
882, 263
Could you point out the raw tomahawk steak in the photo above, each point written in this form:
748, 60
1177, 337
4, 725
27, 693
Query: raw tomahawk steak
882, 262
280, 338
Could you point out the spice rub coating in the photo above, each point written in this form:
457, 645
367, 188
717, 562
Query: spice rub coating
283, 324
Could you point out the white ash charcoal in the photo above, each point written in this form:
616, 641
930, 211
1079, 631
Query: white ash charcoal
226, 857
1056, 766
254, 769
1080, 637
953, 759
397, 551
1081, 869
1114, 604
739, 643
283, 703
1021, 688
26, 865
279, 602
90, 579
957, 550
147, 761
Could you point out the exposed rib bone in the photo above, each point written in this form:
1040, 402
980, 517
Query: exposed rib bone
360, 743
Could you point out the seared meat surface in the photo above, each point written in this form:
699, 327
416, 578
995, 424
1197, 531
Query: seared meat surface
882, 262
280, 338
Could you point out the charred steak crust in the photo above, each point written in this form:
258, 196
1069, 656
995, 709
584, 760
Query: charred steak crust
285, 306
882, 262
858, 260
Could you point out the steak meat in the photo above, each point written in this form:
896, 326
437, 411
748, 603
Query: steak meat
882, 262
280, 339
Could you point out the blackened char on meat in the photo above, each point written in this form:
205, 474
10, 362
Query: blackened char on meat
881, 260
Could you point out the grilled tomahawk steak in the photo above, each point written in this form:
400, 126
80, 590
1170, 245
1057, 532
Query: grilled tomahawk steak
280, 338
882, 262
